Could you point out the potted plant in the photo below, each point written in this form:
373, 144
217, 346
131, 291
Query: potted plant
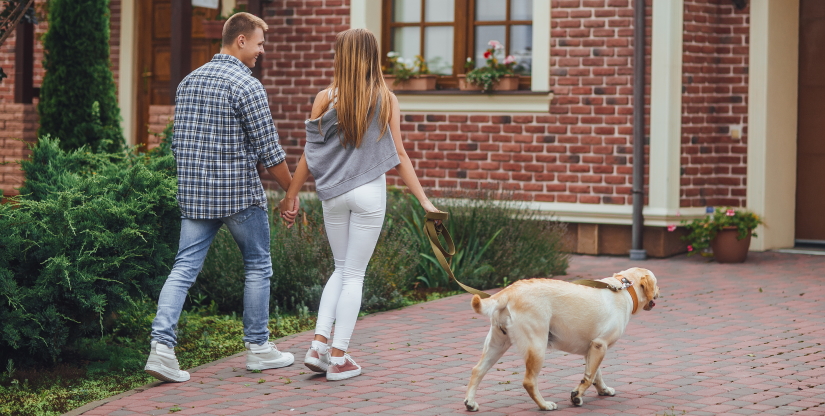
402, 75
497, 75
726, 231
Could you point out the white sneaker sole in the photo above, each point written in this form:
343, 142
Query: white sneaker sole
286, 360
163, 373
343, 376
316, 365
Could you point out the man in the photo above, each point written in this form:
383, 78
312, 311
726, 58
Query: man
223, 128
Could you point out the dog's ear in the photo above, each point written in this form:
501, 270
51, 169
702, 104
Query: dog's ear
648, 286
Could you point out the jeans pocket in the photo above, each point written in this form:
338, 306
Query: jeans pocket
368, 198
242, 216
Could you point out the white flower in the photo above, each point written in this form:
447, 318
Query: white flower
496, 45
392, 54
469, 59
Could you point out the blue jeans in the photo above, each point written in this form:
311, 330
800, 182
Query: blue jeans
250, 229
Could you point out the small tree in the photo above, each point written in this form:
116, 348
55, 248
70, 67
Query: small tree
78, 103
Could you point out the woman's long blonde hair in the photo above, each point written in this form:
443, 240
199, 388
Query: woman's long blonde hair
358, 81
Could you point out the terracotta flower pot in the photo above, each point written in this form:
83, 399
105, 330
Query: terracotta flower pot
212, 29
418, 83
506, 83
727, 248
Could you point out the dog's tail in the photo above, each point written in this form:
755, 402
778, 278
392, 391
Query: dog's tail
485, 306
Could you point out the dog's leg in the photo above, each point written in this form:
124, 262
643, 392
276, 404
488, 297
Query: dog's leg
495, 346
532, 347
593, 359
602, 388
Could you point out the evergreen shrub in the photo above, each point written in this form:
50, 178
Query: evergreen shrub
89, 233
78, 102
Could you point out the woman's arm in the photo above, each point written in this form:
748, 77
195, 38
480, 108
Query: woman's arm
290, 204
405, 168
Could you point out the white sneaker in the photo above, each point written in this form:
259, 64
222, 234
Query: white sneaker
316, 361
265, 356
348, 369
163, 365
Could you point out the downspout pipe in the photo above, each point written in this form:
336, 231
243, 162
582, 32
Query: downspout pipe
637, 251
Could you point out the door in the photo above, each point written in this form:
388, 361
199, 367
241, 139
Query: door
155, 52
810, 159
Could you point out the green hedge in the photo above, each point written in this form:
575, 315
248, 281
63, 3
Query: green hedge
88, 233
78, 101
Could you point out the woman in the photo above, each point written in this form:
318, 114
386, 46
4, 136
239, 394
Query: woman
353, 139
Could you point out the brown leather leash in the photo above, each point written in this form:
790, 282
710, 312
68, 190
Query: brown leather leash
433, 227
602, 285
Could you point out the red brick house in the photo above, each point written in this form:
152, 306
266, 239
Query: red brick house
734, 100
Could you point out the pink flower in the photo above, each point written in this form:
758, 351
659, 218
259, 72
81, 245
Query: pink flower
487, 55
690, 248
730, 213
495, 44
671, 227
509, 59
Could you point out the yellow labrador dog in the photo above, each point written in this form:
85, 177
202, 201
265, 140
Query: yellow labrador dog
535, 313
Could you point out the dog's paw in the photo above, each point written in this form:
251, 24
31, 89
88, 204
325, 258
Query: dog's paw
471, 406
576, 399
608, 391
549, 406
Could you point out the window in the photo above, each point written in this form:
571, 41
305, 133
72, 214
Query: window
446, 32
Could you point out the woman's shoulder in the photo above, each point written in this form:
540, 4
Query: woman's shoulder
320, 104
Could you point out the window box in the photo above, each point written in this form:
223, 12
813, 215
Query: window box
505, 83
417, 83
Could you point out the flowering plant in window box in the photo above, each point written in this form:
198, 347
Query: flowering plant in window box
726, 231
405, 75
497, 75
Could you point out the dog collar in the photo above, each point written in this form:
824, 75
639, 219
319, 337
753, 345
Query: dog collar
632, 293
628, 285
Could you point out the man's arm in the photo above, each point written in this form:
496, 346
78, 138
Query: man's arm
281, 174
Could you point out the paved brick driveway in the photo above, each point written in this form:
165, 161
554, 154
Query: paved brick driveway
723, 339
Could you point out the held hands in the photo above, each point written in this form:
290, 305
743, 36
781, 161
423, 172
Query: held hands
289, 210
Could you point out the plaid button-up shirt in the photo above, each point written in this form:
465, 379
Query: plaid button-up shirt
223, 127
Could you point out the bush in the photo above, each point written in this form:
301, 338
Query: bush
78, 103
88, 233
302, 262
499, 242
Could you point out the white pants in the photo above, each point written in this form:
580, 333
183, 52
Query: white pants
353, 222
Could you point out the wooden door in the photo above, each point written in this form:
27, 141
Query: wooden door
810, 174
155, 52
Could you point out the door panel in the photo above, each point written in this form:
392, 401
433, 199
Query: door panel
154, 55
810, 175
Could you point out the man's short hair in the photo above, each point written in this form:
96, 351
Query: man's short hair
241, 24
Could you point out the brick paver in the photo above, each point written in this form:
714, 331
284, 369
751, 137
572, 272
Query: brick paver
741, 339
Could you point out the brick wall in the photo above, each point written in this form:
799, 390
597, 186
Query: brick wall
159, 118
18, 127
298, 63
7, 51
715, 79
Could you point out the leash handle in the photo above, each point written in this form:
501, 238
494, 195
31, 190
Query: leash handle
433, 230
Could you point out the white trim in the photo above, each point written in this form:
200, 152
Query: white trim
608, 214
540, 73
366, 14
772, 119
227, 6
127, 64
488, 103
666, 104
